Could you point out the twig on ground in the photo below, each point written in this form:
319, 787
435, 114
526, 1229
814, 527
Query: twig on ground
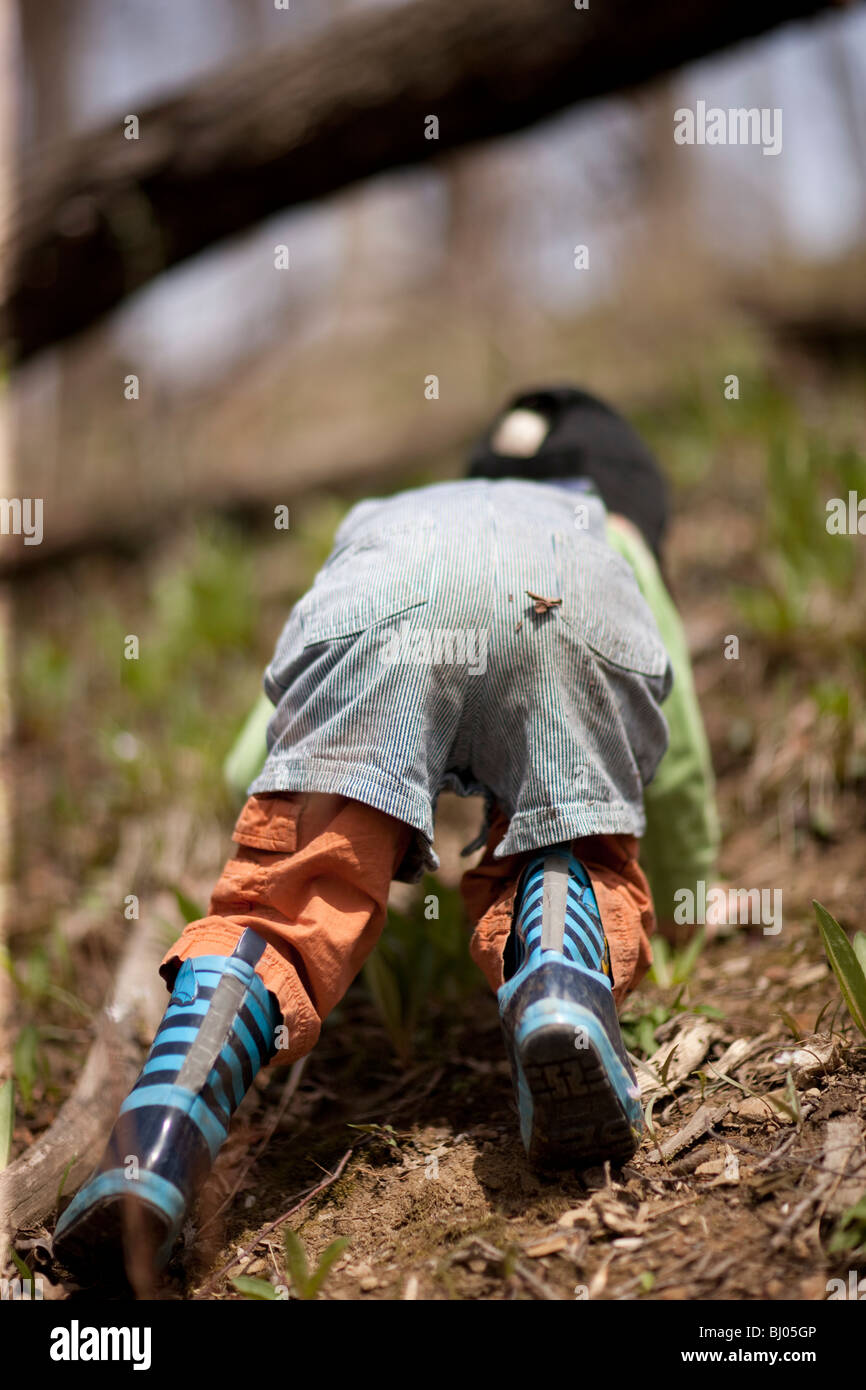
538, 1286
291, 1086
266, 1230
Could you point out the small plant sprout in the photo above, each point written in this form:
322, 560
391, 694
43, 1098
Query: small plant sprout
307, 1284
7, 1119
849, 1233
675, 967
259, 1289
846, 961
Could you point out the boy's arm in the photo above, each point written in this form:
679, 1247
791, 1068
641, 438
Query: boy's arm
681, 841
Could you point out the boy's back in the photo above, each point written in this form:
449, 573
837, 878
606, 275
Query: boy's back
480, 636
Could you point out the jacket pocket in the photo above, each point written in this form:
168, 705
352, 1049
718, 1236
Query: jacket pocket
365, 583
604, 606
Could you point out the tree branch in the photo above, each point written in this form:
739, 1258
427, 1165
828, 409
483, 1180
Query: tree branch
100, 216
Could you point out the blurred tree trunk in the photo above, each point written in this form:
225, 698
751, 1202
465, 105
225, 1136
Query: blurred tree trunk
49, 44
103, 215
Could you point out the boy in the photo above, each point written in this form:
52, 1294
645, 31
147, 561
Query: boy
484, 636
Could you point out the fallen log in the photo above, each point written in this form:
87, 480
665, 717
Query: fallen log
101, 215
73, 1144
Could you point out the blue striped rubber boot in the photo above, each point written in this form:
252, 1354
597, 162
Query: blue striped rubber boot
576, 1092
217, 1032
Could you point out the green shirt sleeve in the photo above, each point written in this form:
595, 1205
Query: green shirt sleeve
248, 753
681, 841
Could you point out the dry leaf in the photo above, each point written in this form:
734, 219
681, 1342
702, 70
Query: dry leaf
621, 1220
775, 1105
677, 1059
599, 1280
570, 1218
551, 1245
727, 1168
843, 1161
704, 1118
804, 975
734, 1055
810, 1059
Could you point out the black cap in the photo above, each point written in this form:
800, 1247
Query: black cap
586, 439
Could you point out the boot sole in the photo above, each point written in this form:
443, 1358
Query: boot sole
568, 1094
577, 1120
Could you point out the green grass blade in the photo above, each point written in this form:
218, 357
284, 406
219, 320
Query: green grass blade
7, 1120
25, 1062
850, 1231
384, 987
329, 1255
251, 1287
63, 1176
662, 966
296, 1263
25, 1272
686, 959
189, 910
846, 967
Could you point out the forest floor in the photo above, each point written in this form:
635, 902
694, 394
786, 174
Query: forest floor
753, 1078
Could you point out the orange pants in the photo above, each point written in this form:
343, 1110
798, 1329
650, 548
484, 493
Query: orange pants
312, 874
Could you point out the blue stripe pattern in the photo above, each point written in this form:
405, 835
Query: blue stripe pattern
248, 1046
418, 663
213, 1126
583, 939
218, 1031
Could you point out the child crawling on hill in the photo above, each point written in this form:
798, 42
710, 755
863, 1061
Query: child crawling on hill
509, 636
